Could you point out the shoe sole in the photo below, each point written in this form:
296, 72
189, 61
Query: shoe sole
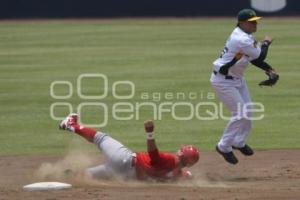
245, 154
222, 154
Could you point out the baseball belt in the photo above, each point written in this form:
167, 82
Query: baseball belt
225, 76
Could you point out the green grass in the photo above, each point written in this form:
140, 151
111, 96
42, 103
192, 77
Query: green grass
158, 56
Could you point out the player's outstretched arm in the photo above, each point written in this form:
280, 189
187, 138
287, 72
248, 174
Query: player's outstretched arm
149, 128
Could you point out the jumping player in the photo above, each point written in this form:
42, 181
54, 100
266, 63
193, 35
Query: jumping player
229, 83
121, 161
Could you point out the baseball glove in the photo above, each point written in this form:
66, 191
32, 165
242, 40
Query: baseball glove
273, 78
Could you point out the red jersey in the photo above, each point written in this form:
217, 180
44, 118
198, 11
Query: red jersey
155, 164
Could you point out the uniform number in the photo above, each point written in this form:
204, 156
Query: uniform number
225, 50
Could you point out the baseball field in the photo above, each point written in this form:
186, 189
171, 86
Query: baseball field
119, 72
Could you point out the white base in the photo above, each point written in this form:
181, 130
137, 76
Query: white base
46, 186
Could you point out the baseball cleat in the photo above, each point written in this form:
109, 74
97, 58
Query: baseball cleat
246, 150
229, 157
68, 122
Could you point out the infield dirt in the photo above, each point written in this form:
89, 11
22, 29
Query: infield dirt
272, 174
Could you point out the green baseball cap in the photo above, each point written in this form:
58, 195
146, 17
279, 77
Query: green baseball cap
247, 15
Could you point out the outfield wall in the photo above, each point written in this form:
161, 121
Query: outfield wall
142, 8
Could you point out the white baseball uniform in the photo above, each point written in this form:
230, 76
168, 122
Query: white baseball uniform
240, 49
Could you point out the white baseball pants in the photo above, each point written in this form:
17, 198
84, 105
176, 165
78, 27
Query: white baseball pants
235, 96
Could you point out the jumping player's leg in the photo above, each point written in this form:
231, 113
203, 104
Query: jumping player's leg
240, 138
232, 99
